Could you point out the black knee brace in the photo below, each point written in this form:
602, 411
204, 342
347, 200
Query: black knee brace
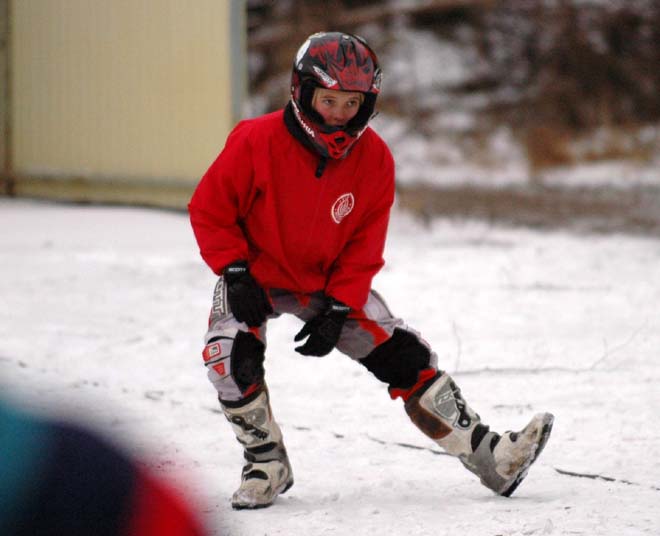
247, 360
398, 360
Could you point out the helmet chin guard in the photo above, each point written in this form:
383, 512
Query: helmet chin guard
337, 61
331, 142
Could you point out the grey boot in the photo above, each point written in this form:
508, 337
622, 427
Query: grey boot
500, 461
267, 472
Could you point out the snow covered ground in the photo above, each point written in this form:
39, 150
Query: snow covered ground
102, 313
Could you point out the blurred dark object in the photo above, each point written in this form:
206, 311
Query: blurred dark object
57, 478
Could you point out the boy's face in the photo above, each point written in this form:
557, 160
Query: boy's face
336, 107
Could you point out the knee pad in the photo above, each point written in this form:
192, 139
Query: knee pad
399, 360
235, 364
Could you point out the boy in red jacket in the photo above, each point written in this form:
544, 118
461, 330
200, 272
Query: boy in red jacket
293, 217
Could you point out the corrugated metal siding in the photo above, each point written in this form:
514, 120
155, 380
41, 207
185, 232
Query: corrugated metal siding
5, 152
120, 88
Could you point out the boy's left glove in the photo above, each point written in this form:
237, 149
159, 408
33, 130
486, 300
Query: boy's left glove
323, 330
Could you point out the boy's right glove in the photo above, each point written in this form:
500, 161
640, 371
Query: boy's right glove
247, 300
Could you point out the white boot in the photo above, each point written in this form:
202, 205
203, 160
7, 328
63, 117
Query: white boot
500, 462
268, 471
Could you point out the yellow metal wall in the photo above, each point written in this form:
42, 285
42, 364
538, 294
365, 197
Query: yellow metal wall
137, 89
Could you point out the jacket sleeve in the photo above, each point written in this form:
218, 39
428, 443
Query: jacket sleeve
362, 257
221, 200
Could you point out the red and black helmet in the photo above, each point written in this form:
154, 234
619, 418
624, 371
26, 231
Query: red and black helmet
339, 61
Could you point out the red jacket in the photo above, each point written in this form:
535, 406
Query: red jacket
260, 201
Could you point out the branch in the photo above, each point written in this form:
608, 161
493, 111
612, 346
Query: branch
602, 477
407, 446
608, 353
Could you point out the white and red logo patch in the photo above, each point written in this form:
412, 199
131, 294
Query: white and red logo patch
212, 354
342, 207
211, 351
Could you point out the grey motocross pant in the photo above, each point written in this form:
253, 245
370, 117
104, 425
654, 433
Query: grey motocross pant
234, 353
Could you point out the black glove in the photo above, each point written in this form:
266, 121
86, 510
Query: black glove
247, 300
323, 330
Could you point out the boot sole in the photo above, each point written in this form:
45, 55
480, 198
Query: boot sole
545, 435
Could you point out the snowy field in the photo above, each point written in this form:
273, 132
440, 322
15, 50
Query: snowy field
102, 313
